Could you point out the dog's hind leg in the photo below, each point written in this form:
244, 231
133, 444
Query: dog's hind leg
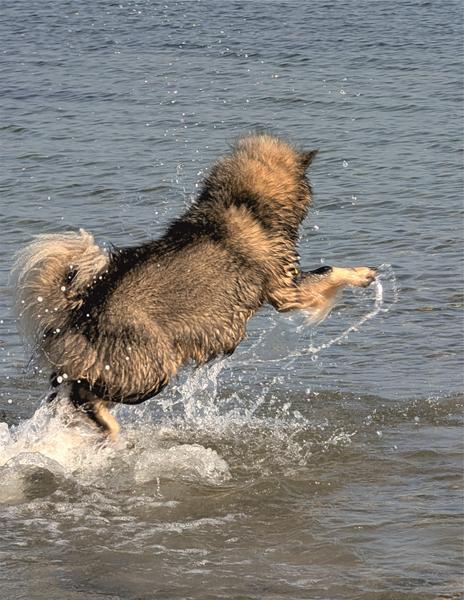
94, 408
317, 291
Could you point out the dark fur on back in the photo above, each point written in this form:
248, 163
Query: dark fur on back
146, 310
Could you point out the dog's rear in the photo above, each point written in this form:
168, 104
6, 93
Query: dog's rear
51, 277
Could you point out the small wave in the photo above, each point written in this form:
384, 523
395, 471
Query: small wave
187, 461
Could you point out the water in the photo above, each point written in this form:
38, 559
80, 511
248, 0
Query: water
317, 462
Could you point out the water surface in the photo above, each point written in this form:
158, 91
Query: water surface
310, 464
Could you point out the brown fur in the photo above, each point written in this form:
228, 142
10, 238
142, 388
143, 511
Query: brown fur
117, 327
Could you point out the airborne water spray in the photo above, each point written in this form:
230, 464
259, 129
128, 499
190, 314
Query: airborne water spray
378, 304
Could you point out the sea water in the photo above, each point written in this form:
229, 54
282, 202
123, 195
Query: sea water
318, 462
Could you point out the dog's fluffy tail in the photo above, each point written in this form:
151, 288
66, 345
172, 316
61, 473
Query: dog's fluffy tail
50, 277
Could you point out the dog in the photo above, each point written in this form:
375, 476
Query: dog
115, 326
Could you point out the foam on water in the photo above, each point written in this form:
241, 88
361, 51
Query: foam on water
54, 444
189, 461
48, 449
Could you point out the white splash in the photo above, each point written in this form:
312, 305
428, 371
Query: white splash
57, 442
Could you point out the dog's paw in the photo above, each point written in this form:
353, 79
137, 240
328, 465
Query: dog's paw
362, 276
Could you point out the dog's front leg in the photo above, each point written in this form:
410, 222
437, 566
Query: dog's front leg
317, 291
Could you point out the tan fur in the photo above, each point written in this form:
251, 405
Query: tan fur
43, 296
105, 419
269, 169
247, 233
318, 293
97, 411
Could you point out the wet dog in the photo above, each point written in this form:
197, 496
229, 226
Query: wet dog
115, 326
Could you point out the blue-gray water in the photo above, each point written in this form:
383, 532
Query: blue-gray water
280, 472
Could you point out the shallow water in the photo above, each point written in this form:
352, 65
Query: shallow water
316, 462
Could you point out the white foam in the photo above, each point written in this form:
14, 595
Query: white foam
192, 462
55, 441
47, 445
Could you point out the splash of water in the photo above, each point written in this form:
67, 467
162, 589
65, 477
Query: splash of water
54, 446
56, 437
378, 304
382, 304
385, 275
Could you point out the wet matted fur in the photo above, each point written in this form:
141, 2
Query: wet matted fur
116, 326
